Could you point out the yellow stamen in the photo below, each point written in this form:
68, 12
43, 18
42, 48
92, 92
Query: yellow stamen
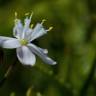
16, 14
50, 28
23, 42
31, 25
26, 14
43, 21
16, 20
31, 15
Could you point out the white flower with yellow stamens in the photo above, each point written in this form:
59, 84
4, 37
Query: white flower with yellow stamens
24, 35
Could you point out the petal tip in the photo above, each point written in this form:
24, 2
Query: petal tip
45, 51
28, 64
54, 63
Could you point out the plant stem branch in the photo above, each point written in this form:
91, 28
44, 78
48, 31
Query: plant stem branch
8, 72
88, 81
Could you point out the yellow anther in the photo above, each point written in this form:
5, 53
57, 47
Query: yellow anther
26, 14
50, 28
31, 15
43, 21
23, 42
32, 25
16, 14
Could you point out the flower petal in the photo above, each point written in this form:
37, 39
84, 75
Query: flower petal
5, 38
37, 28
2, 39
18, 28
45, 51
41, 54
38, 32
27, 22
10, 43
28, 34
25, 56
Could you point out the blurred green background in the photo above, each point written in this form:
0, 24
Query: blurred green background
72, 43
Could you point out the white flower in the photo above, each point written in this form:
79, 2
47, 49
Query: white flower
24, 35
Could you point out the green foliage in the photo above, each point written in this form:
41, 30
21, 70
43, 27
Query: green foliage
72, 43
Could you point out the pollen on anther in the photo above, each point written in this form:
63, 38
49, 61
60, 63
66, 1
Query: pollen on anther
26, 14
32, 25
16, 14
31, 14
43, 21
50, 28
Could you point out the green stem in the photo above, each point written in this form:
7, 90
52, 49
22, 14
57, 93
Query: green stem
8, 72
88, 81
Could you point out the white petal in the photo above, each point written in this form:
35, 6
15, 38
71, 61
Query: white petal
38, 32
26, 27
5, 38
17, 30
25, 56
45, 51
11, 43
28, 34
27, 21
37, 28
41, 54
2, 39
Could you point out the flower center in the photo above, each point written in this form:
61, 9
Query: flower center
23, 42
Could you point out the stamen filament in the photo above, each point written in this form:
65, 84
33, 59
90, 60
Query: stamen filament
31, 15
26, 14
43, 21
32, 25
50, 28
16, 14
